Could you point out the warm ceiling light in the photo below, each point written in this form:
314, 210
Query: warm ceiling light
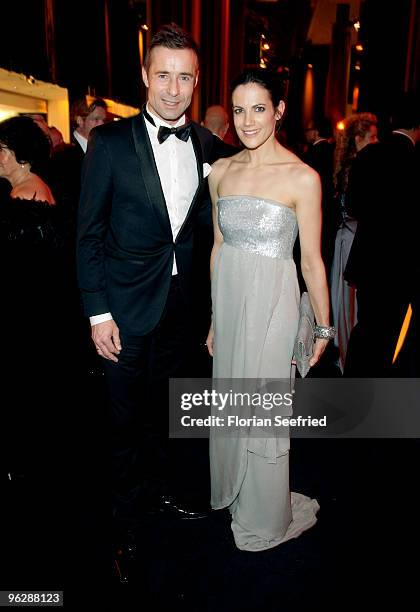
310, 66
144, 27
356, 25
6, 114
266, 46
340, 126
359, 47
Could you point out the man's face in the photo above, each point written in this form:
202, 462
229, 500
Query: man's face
170, 79
370, 137
86, 124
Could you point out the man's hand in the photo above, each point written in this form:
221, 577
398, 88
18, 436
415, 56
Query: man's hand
106, 337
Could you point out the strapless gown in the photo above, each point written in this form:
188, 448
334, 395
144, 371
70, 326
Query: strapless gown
255, 297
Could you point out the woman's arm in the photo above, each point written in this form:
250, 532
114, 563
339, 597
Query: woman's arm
309, 217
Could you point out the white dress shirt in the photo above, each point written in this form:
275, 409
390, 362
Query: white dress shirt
81, 140
177, 168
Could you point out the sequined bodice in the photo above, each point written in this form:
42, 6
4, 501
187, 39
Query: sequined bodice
258, 225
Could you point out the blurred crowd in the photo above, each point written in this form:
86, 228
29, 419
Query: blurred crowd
370, 214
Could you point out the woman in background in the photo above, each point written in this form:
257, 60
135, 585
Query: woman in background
359, 131
33, 279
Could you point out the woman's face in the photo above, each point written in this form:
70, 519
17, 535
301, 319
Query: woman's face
254, 114
8, 163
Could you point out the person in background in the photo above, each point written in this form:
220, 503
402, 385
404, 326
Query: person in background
66, 160
57, 140
383, 262
320, 156
33, 300
216, 120
356, 147
22, 149
84, 117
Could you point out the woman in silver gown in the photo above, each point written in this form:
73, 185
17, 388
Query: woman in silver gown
261, 198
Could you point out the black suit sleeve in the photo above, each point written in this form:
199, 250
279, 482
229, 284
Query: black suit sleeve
221, 149
93, 223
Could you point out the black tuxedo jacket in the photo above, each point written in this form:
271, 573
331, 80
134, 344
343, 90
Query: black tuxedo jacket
64, 173
320, 157
125, 243
382, 197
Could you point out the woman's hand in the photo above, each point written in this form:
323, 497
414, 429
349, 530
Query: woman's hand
319, 347
210, 340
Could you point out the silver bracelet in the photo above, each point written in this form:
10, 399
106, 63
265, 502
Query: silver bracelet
324, 332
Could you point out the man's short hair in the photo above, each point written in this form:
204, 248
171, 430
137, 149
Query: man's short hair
80, 108
171, 36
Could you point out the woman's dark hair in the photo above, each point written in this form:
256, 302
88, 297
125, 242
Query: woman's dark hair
264, 78
171, 36
26, 139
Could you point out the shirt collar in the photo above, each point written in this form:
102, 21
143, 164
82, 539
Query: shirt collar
81, 140
318, 140
404, 134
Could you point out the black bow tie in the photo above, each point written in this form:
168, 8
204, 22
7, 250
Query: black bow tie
182, 131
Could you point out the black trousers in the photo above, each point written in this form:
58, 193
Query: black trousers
138, 392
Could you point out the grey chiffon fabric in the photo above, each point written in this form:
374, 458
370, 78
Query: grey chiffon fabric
343, 295
255, 297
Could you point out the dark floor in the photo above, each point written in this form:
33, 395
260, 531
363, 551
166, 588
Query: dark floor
58, 537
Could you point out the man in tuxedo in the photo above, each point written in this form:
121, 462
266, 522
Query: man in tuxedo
84, 118
142, 182
66, 162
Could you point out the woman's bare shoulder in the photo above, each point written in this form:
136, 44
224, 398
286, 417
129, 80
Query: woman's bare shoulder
221, 164
218, 170
302, 173
34, 189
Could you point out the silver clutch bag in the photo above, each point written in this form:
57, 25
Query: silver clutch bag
304, 342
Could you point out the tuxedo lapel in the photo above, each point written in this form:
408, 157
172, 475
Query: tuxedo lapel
150, 172
199, 160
